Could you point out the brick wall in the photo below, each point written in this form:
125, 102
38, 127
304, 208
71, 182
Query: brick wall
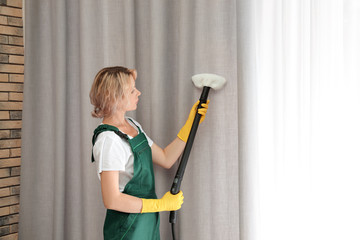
11, 88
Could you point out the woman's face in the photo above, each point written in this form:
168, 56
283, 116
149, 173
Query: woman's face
131, 96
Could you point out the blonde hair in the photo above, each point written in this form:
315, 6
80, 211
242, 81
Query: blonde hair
108, 87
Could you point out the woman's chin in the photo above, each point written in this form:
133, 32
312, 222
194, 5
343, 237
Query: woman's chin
132, 109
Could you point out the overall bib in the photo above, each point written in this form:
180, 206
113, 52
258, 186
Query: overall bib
137, 226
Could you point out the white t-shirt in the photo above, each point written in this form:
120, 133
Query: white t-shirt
113, 153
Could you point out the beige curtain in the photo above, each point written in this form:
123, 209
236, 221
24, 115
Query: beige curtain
67, 42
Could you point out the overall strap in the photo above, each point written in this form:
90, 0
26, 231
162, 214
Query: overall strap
135, 124
103, 128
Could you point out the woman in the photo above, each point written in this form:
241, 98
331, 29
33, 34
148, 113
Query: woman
125, 155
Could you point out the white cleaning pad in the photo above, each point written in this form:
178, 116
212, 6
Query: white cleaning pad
208, 80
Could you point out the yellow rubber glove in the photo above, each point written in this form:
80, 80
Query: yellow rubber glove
168, 202
185, 130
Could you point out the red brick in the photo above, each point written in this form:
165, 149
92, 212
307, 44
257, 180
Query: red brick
14, 21
5, 172
15, 190
10, 237
4, 230
13, 31
16, 115
4, 115
4, 58
4, 153
10, 68
4, 134
14, 209
4, 211
10, 124
9, 11
10, 162
4, 77
4, 192
3, 20
11, 87
8, 49
10, 106
15, 171
16, 59
9, 220
10, 143
13, 96
15, 152
13, 40
4, 39
4, 96
15, 133
6, 182
14, 228
16, 78
15, 3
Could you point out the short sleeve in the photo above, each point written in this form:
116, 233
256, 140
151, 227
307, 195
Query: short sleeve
110, 152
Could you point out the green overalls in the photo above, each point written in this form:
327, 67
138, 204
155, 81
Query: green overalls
137, 226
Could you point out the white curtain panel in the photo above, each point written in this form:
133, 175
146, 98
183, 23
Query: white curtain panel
277, 155
301, 154
67, 42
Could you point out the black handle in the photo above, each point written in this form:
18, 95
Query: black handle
175, 188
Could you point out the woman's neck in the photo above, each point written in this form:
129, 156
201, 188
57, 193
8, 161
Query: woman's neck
117, 119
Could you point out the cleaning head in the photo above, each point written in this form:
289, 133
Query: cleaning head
208, 80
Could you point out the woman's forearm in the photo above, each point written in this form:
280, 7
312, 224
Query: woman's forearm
167, 157
113, 198
123, 203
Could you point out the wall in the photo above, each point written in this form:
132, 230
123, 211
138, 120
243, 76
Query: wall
11, 88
